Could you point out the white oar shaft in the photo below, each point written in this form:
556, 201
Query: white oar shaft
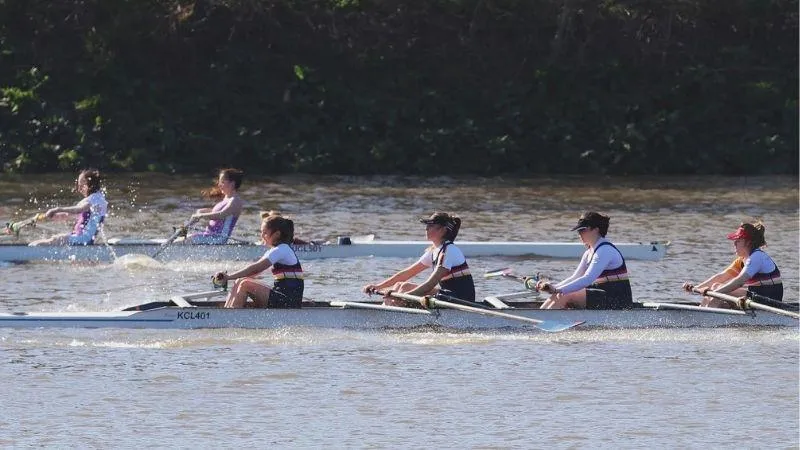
380, 307
528, 282
719, 295
744, 302
178, 232
756, 305
430, 301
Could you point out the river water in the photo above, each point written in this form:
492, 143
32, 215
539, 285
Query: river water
402, 389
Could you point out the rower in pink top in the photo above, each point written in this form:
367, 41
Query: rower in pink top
223, 215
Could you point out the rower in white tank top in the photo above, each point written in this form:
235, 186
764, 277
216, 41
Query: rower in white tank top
450, 275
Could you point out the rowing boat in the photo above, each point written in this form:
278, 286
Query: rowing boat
203, 310
115, 248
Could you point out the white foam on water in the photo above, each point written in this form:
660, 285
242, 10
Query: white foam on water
138, 261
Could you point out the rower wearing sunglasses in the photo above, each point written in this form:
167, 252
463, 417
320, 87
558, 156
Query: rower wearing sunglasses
601, 279
450, 275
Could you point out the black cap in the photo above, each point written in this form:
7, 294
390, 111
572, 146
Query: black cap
591, 220
442, 219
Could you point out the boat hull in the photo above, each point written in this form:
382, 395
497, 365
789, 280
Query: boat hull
248, 252
357, 318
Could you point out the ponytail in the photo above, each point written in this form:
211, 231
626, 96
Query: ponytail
283, 225
453, 225
756, 233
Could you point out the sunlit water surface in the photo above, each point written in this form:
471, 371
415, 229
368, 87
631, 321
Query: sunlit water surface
420, 388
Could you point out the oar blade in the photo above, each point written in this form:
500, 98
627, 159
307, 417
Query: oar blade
552, 326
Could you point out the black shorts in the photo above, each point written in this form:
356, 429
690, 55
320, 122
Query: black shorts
461, 287
286, 294
612, 295
773, 291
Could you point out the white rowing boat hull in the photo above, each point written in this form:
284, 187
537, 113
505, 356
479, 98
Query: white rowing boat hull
249, 252
357, 318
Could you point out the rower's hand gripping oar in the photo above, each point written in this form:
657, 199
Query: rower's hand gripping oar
744, 302
528, 282
180, 231
15, 227
430, 302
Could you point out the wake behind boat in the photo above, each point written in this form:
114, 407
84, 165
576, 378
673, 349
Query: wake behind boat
345, 248
203, 310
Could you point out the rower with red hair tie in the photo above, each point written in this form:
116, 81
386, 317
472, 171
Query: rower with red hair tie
753, 271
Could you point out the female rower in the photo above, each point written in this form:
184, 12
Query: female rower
450, 275
287, 290
296, 240
221, 217
752, 270
90, 212
601, 279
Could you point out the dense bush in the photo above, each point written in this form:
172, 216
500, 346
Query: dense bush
389, 86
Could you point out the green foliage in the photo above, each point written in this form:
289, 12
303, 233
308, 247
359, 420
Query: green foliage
434, 86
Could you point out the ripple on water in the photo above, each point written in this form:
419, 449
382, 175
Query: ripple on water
420, 388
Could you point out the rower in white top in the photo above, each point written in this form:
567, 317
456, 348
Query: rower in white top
90, 212
450, 277
601, 278
752, 272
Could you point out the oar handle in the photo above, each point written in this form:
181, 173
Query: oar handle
424, 300
720, 296
528, 282
15, 227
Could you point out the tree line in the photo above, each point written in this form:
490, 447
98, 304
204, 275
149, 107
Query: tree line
388, 86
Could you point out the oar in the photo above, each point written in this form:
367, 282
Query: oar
180, 231
745, 303
508, 273
430, 302
15, 227
363, 305
764, 300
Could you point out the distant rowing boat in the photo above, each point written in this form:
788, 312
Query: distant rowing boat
116, 248
201, 310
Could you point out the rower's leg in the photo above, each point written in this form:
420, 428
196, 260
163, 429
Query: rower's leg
402, 286
244, 287
59, 239
575, 299
717, 303
548, 304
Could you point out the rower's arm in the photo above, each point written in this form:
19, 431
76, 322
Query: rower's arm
79, 208
430, 283
234, 207
600, 260
579, 271
251, 270
733, 284
721, 277
403, 275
